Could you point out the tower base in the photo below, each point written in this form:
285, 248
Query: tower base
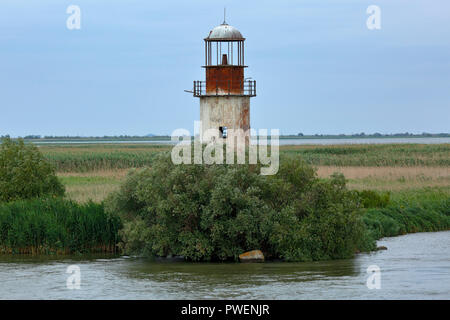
222, 113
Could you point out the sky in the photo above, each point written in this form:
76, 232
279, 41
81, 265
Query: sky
318, 68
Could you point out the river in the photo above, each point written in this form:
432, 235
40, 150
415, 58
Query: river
318, 141
415, 266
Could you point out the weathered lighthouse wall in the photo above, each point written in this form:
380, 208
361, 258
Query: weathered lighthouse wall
225, 80
232, 112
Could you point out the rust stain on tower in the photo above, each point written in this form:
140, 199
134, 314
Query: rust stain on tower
226, 79
225, 95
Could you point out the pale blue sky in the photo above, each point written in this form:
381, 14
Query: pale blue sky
317, 66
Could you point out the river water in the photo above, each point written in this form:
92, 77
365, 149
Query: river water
318, 141
415, 266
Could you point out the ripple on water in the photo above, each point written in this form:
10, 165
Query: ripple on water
415, 266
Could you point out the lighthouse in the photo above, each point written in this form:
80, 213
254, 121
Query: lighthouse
225, 95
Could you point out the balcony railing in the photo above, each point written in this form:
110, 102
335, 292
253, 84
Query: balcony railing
225, 88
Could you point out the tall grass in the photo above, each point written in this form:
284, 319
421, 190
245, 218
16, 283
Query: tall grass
390, 178
82, 158
409, 212
45, 226
374, 155
95, 186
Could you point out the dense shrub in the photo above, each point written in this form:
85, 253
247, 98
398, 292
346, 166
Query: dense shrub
373, 199
24, 173
216, 212
56, 226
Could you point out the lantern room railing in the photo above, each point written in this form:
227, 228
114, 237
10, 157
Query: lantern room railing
225, 88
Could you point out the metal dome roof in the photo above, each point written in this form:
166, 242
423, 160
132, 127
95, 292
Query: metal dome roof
224, 32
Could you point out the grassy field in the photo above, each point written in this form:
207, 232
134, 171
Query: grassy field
94, 185
93, 171
84, 158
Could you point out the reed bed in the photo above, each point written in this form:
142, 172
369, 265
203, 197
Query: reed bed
56, 226
82, 158
98, 157
422, 210
383, 155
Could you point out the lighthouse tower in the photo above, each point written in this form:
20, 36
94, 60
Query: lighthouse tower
225, 95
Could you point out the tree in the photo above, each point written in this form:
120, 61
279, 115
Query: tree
215, 212
24, 173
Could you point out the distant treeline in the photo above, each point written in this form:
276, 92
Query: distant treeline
124, 137
292, 136
364, 135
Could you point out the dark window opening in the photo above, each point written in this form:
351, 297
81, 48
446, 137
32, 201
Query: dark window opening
223, 132
224, 60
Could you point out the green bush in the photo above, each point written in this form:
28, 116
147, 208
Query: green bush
24, 173
373, 199
50, 225
216, 212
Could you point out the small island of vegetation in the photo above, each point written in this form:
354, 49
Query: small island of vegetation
132, 199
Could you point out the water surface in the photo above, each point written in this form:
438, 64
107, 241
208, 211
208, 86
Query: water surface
415, 266
318, 141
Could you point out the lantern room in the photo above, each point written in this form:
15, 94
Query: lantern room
224, 46
224, 64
